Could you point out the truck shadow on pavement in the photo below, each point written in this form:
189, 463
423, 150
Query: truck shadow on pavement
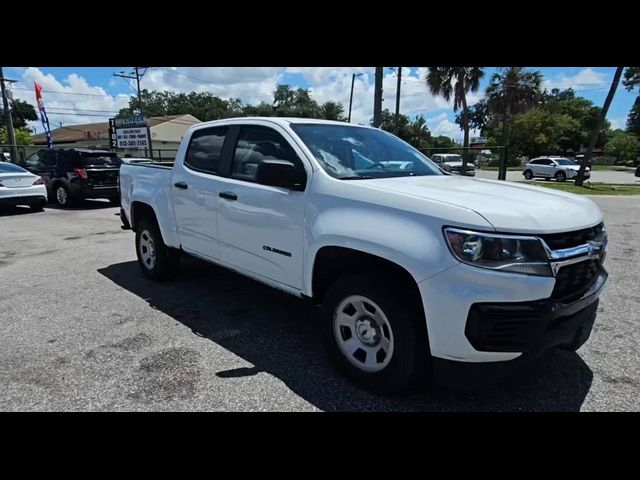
86, 204
280, 335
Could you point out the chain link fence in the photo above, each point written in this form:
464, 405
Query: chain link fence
485, 161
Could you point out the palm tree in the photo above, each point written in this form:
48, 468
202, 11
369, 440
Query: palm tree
456, 82
512, 90
602, 114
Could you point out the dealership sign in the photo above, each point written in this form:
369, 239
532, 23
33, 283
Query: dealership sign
129, 133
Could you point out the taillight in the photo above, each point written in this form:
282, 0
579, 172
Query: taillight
39, 181
81, 172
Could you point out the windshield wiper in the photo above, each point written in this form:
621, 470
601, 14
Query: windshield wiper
356, 177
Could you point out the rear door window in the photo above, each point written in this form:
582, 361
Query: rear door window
205, 148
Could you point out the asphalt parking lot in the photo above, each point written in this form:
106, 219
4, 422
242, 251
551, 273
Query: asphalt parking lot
82, 329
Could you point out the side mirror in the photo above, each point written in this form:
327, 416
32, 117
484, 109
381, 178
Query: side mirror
280, 173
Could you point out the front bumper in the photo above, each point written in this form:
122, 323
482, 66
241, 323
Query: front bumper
484, 324
568, 331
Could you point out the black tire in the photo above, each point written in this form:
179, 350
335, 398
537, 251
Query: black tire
38, 206
166, 261
65, 200
410, 354
561, 177
528, 174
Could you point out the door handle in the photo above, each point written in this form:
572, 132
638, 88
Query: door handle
181, 185
228, 195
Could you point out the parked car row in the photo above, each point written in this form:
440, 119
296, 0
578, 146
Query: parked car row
65, 176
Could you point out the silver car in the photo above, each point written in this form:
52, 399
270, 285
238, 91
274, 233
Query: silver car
560, 169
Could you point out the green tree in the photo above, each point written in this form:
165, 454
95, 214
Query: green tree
624, 146
596, 130
23, 136
21, 113
633, 120
456, 82
414, 132
332, 111
512, 90
478, 116
631, 78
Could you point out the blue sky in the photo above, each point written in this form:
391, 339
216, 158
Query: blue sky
75, 95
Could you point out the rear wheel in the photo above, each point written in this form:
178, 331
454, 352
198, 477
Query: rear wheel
156, 260
63, 196
561, 177
374, 333
528, 174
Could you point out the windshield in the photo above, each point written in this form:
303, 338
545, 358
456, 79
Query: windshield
10, 168
451, 158
563, 161
349, 152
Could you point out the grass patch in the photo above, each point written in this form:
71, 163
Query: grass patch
611, 168
495, 169
591, 188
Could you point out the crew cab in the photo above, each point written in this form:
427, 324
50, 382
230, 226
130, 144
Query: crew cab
73, 174
417, 273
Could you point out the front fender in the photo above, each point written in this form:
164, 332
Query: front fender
393, 235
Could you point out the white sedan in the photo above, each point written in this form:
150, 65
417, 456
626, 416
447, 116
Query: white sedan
19, 187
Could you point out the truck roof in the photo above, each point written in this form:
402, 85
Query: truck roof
282, 121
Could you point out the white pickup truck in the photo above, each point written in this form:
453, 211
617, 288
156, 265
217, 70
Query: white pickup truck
418, 273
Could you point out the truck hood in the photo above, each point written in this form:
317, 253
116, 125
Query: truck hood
508, 206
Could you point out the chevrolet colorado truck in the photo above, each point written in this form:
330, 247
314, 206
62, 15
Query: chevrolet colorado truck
417, 273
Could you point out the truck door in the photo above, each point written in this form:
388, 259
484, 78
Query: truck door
262, 227
194, 192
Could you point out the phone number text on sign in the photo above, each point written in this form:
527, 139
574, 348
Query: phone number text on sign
132, 138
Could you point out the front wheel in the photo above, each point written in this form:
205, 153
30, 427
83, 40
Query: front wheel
561, 177
156, 260
374, 333
528, 174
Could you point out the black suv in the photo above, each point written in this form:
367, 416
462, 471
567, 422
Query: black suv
74, 174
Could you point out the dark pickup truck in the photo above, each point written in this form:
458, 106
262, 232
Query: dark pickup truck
73, 174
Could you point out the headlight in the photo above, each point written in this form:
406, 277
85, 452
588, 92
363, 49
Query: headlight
507, 253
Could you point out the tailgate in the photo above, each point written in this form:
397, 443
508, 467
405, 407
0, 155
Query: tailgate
103, 176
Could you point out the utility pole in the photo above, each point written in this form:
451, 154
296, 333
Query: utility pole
137, 77
398, 100
353, 79
377, 98
7, 118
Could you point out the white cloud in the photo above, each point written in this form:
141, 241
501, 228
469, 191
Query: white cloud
441, 125
618, 122
75, 101
584, 79
250, 84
